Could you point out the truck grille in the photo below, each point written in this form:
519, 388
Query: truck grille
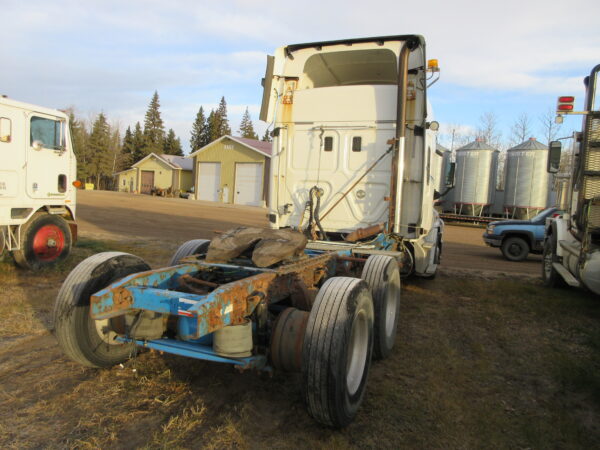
594, 217
591, 174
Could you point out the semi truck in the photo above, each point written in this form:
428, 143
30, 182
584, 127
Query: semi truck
37, 195
571, 252
354, 146
319, 295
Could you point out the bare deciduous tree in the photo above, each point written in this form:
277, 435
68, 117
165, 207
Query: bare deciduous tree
549, 127
488, 129
521, 129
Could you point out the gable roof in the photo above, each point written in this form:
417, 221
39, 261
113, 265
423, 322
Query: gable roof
173, 161
157, 157
181, 162
264, 148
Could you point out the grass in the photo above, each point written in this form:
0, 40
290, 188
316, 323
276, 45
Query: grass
502, 363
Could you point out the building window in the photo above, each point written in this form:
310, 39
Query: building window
356, 144
328, 144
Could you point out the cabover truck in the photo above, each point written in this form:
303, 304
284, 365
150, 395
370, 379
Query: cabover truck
572, 240
37, 197
271, 298
353, 150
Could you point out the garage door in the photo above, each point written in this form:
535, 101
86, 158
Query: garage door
248, 184
147, 181
209, 181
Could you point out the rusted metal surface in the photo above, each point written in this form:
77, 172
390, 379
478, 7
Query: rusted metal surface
362, 233
287, 339
268, 246
202, 312
351, 259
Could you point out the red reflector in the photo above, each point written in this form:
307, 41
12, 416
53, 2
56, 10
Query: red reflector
566, 99
565, 107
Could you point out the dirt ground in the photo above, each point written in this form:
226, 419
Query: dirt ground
483, 358
113, 215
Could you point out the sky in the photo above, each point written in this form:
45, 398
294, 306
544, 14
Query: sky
503, 57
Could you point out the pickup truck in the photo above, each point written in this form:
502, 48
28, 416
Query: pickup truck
518, 238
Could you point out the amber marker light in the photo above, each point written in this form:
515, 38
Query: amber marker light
77, 184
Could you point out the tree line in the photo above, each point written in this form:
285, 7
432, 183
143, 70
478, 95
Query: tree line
101, 152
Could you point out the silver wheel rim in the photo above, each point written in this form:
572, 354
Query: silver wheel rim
105, 332
357, 352
392, 294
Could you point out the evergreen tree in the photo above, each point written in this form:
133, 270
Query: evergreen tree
128, 148
140, 149
154, 129
199, 131
246, 127
172, 144
212, 127
79, 138
100, 157
267, 136
222, 123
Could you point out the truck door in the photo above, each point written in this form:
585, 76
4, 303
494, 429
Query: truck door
11, 154
48, 160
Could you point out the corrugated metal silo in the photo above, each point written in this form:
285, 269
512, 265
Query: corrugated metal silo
526, 187
476, 167
442, 163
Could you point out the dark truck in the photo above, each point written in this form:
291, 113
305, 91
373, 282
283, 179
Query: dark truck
518, 238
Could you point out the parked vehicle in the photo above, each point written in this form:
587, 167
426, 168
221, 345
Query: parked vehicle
517, 238
37, 195
572, 242
268, 299
347, 164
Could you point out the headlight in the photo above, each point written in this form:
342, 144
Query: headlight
490, 229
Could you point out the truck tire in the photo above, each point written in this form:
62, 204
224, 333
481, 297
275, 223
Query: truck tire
189, 248
550, 277
382, 275
45, 240
81, 338
336, 353
515, 248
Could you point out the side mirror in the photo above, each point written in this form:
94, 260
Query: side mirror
37, 145
450, 175
554, 150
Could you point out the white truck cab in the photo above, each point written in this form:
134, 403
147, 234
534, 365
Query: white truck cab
37, 195
353, 150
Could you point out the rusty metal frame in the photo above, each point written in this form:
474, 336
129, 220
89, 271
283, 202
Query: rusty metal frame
228, 304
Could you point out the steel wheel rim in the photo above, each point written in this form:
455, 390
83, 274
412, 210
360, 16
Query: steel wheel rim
105, 332
48, 243
514, 249
357, 352
391, 304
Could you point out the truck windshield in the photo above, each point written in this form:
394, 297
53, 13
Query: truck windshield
377, 66
48, 131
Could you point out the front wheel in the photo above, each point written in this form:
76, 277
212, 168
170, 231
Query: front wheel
91, 342
515, 249
45, 240
336, 353
550, 277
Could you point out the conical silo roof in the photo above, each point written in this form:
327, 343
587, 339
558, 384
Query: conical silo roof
441, 148
478, 144
530, 144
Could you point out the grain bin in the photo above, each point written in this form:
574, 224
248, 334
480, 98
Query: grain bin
440, 167
526, 187
476, 168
